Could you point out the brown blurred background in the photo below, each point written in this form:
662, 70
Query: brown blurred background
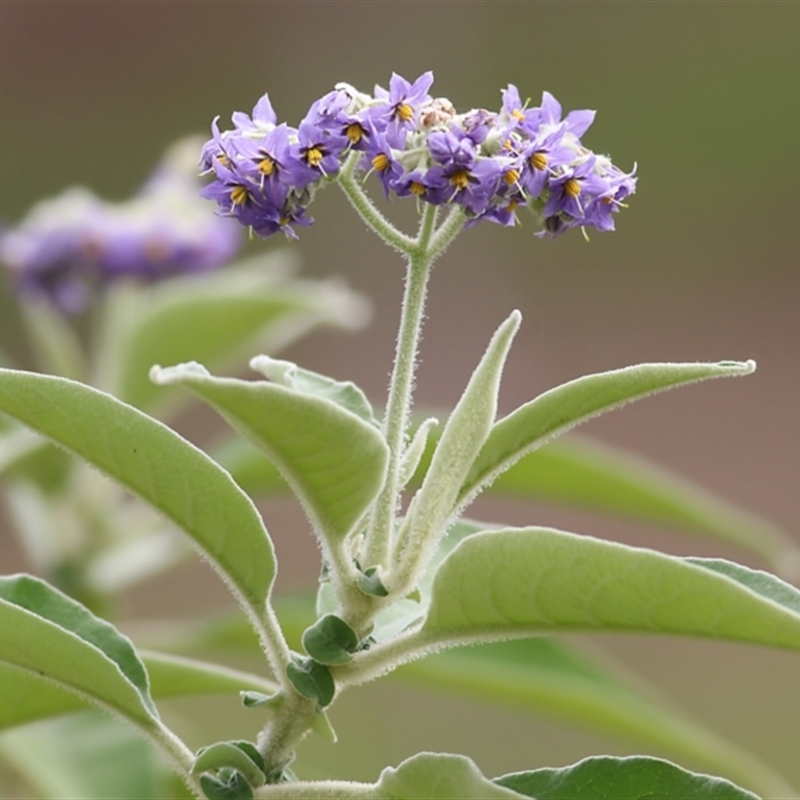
703, 266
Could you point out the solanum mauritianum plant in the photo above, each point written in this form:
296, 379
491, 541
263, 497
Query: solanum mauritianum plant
405, 574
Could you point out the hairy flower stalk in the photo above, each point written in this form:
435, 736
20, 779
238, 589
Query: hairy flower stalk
482, 165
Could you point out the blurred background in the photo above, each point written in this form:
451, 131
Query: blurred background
703, 266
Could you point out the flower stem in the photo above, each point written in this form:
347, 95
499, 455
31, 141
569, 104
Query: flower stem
398, 407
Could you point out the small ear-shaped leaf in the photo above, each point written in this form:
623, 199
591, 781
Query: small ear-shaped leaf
344, 393
439, 776
334, 461
227, 784
241, 756
330, 640
219, 320
158, 465
558, 410
313, 680
461, 440
632, 778
47, 634
518, 582
416, 449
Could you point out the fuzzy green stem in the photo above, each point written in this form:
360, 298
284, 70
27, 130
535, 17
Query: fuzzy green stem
398, 407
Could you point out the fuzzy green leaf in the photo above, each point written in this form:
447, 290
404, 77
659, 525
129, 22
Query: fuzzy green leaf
312, 680
558, 410
330, 640
49, 635
632, 778
241, 756
334, 461
26, 697
518, 582
158, 465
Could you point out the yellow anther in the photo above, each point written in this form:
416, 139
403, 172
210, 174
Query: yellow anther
518, 115
354, 132
538, 160
239, 195
460, 179
266, 166
572, 188
404, 111
416, 188
224, 160
314, 156
512, 204
511, 177
381, 162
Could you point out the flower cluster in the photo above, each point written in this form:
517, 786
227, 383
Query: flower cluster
489, 163
69, 244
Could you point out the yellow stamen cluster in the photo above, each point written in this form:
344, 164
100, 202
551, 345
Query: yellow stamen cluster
354, 132
239, 195
518, 115
266, 166
511, 177
572, 188
381, 162
417, 188
460, 179
404, 111
314, 156
538, 161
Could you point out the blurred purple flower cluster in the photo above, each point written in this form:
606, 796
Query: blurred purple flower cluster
490, 163
71, 244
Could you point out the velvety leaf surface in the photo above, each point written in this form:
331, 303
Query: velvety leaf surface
438, 776
634, 778
334, 461
558, 410
525, 581
49, 635
156, 464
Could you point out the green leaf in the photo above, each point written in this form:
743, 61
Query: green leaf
26, 697
312, 680
633, 778
579, 472
519, 582
241, 756
330, 640
334, 461
159, 466
466, 430
228, 785
558, 410
218, 320
47, 634
344, 393
438, 776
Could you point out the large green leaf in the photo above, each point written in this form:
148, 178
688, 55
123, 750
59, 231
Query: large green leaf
219, 320
156, 464
518, 582
49, 635
558, 410
634, 778
334, 460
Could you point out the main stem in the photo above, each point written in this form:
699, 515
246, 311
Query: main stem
420, 260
